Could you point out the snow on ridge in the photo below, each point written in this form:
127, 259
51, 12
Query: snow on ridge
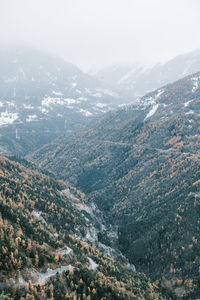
31, 118
195, 81
28, 106
43, 110
10, 103
82, 99
191, 112
57, 93
8, 118
127, 75
151, 100
50, 101
187, 103
152, 111
85, 112
139, 69
160, 92
101, 105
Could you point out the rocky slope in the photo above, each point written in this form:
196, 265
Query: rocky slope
44, 252
136, 80
43, 96
141, 166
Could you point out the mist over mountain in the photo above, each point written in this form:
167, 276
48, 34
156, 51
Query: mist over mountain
121, 201
99, 150
136, 80
43, 96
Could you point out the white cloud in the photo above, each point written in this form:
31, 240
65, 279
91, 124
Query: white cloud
99, 32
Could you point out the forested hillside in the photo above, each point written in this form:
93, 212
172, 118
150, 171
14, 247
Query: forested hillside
141, 166
42, 255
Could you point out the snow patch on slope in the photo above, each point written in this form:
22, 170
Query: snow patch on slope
49, 101
28, 106
152, 111
92, 264
101, 105
195, 81
187, 103
137, 69
85, 112
31, 118
152, 100
57, 93
7, 118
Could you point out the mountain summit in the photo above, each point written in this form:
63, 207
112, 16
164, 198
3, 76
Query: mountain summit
136, 80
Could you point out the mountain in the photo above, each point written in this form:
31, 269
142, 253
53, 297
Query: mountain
135, 80
141, 166
43, 251
43, 96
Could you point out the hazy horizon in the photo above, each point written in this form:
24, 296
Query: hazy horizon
94, 34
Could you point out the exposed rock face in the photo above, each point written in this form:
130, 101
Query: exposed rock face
42, 248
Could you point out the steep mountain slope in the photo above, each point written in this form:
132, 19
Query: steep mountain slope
135, 80
141, 166
41, 256
43, 96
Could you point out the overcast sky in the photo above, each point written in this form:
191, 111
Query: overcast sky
95, 33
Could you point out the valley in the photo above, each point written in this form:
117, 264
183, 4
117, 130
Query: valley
44, 244
100, 188
140, 166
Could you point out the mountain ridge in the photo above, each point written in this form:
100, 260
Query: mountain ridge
136, 80
43, 96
